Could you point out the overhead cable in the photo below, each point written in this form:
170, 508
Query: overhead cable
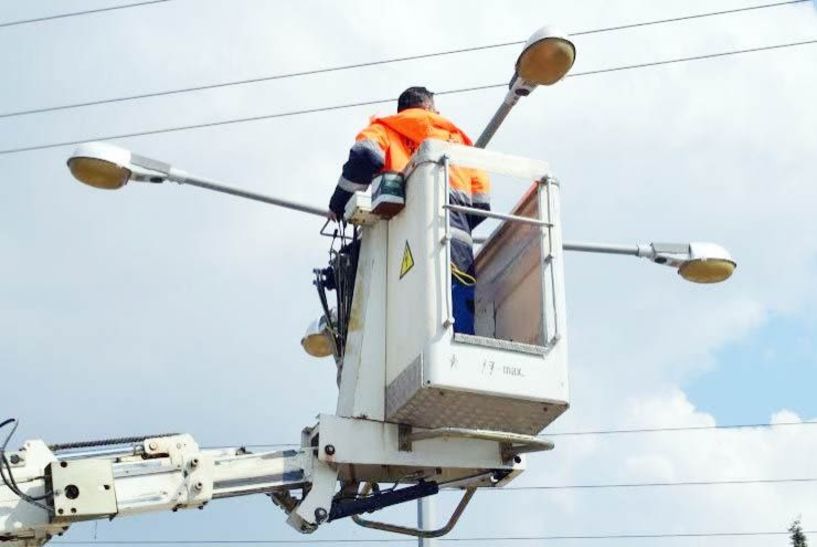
653, 484
445, 539
78, 13
260, 79
680, 428
293, 113
672, 429
686, 17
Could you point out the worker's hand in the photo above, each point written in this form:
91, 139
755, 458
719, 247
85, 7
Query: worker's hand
332, 216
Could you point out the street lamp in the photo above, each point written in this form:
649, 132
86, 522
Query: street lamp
697, 262
547, 56
107, 166
110, 167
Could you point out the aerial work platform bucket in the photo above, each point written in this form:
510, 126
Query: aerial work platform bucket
403, 361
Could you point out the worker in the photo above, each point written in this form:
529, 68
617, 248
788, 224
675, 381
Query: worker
387, 144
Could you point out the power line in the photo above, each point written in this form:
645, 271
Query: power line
78, 13
652, 484
203, 125
680, 428
382, 101
693, 58
452, 540
686, 17
261, 79
600, 432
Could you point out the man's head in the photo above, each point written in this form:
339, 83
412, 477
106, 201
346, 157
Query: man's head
416, 97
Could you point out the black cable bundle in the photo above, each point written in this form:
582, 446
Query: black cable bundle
346, 270
8, 478
339, 277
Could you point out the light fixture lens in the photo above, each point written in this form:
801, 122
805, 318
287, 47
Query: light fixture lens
98, 173
546, 61
713, 270
317, 341
317, 344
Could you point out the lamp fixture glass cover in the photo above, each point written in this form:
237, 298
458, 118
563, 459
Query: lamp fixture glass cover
547, 57
98, 173
707, 263
317, 341
707, 271
101, 165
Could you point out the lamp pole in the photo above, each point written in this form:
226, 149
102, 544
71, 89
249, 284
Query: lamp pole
606, 248
499, 117
426, 507
208, 184
110, 167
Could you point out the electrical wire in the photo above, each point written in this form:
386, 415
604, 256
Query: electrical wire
445, 539
293, 113
8, 477
600, 432
269, 78
679, 429
653, 484
78, 13
685, 18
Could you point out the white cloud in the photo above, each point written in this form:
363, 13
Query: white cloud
170, 308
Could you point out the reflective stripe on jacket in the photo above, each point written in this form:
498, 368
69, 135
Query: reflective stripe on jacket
388, 143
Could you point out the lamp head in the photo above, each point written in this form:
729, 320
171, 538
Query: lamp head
107, 166
697, 262
317, 340
708, 263
101, 165
547, 57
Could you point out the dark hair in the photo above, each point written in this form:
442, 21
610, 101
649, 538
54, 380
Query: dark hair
415, 97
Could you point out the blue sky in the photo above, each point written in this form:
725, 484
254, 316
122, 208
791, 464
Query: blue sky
773, 367
170, 308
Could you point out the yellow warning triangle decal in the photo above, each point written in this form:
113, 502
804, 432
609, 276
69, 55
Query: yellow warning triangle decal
408, 261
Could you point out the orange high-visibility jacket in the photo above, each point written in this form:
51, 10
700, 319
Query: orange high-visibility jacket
388, 143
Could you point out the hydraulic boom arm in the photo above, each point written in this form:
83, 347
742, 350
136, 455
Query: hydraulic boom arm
46, 489
154, 474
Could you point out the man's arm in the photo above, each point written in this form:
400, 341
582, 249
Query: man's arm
366, 158
480, 195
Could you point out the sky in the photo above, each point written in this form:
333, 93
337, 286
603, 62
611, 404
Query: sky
166, 308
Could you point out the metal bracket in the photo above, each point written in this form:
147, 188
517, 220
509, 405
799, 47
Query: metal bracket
511, 444
416, 532
81, 490
346, 507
